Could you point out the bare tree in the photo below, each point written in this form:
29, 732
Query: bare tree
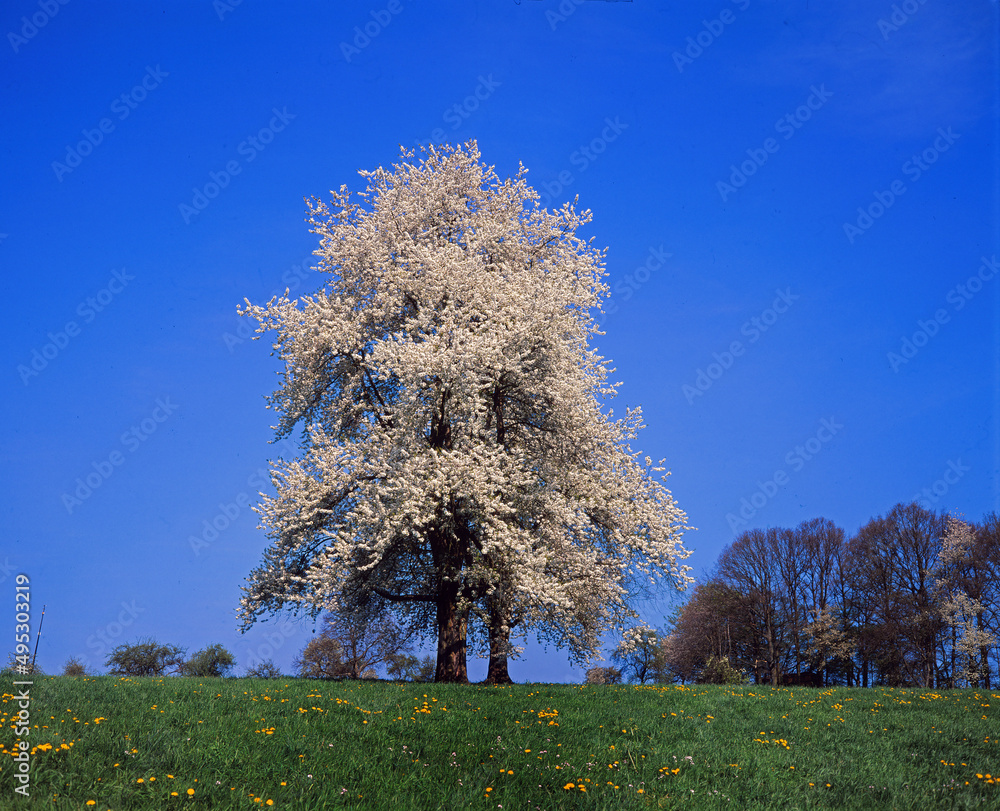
351, 644
713, 622
322, 658
895, 555
984, 587
750, 566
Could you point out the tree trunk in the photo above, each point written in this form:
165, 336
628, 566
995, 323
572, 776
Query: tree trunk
984, 655
497, 672
452, 626
499, 639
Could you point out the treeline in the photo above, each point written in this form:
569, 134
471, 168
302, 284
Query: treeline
910, 600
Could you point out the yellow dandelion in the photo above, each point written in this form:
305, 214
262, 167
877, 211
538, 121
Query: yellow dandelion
190, 792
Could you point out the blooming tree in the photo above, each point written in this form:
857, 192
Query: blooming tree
642, 654
962, 613
455, 461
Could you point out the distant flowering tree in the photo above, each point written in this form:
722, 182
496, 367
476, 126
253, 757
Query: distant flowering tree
456, 464
642, 655
966, 637
826, 640
719, 670
604, 675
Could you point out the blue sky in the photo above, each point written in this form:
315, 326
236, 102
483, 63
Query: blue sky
800, 205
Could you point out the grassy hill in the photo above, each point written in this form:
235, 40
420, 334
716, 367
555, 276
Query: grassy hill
185, 743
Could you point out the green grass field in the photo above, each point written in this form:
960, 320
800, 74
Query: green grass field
110, 743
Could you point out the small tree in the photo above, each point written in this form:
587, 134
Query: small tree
145, 658
604, 675
265, 670
642, 655
74, 667
407, 667
214, 660
363, 640
322, 658
825, 641
427, 668
402, 666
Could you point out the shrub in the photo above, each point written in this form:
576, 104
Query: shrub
145, 658
13, 668
265, 670
604, 675
74, 667
720, 671
213, 661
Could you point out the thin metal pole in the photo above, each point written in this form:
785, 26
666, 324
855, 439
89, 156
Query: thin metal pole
36, 639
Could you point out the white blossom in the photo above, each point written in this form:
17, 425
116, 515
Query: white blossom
446, 394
